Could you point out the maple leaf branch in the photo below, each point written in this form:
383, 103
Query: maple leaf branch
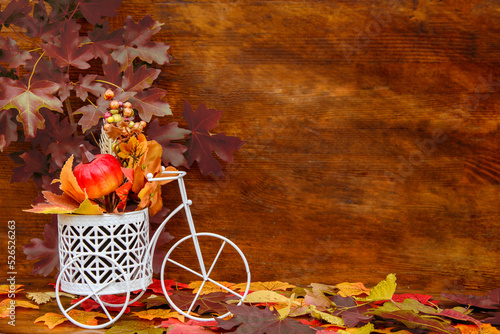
76, 8
33, 71
109, 83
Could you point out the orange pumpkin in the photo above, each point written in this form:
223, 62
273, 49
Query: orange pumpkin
98, 175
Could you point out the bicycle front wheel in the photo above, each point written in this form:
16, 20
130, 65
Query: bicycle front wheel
223, 262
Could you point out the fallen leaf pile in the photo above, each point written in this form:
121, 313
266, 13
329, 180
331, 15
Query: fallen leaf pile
282, 308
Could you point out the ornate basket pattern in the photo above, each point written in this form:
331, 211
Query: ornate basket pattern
106, 248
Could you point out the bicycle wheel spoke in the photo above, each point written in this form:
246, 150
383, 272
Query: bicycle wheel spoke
196, 297
77, 304
216, 258
185, 268
224, 287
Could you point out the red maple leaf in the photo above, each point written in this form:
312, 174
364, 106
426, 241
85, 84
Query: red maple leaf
88, 84
92, 10
149, 102
15, 11
59, 140
47, 251
67, 52
137, 43
139, 79
251, 319
49, 70
90, 304
34, 164
28, 99
8, 128
104, 42
173, 153
169, 285
202, 143
11, 54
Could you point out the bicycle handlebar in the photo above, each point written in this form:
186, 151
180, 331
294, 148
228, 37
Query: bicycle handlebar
179, 175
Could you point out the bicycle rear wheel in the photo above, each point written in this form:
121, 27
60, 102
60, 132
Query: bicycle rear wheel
223, 262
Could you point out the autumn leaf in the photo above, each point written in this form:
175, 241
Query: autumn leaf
150, 102
87, 207
187, 328
139, 79
202, 143
383, 290
317, 296
473, 329
7, 303
453, 314
14, 12
93, 10
424, 299
91, 116
173, 153
90, 305
169, 285
67, 52
135, 327
69, 184
34, 165
352, 289
88, 84
410, 318
137, 43
51, 320
159, 313
28, 99
255, 286
6, 289
254, 320
328, 317
476, 301
207, 303
265, 296
8, 128
11, 54
209, 287
47, 251
85, 317
39, 297
104, 42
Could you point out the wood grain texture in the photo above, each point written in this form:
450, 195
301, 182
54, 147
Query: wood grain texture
371, 134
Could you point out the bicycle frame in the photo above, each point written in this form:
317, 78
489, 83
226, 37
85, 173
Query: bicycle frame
186, 203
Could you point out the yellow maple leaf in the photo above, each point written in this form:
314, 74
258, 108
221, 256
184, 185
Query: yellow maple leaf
6, 306
209, 287
159, 313
69, 184
265, 296
87, 208
5, 289
255, 286
352, 289
51, 320
383, 290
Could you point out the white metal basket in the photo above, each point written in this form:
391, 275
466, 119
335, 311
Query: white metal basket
105, 253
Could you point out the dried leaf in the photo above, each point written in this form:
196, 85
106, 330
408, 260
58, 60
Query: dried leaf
87, 207
38, 297
135, 327
8, 128
173, 153
328, 317
159, 313
52, 294
6, 305
352, 289
51, 320
265, 296
69, 184
255, 286
209, 287
383, 290
473, 329
6, 289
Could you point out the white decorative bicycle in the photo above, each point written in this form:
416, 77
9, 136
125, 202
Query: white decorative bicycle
111, 254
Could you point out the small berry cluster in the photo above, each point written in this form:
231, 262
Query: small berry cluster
119, 120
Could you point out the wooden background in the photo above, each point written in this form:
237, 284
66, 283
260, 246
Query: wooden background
371, 132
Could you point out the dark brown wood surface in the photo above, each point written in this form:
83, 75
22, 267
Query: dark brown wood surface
371, 132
